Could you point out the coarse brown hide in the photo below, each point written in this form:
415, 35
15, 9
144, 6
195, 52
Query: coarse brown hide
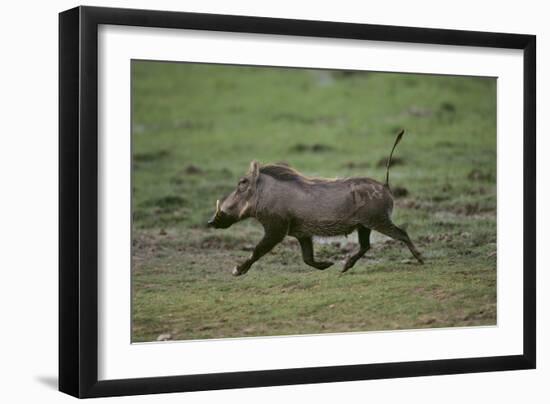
286, 202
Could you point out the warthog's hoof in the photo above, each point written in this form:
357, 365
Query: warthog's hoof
323, 265
238, 272
419, 258
347, 265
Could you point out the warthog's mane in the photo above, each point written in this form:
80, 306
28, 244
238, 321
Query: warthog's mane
283, 172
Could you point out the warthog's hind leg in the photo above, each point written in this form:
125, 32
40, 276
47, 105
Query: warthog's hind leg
391, 230
307, 254
363, 234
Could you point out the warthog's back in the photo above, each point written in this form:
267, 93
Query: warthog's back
334, 207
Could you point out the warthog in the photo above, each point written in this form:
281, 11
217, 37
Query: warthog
286, 202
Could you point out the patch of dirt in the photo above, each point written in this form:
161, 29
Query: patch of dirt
146, 245
346, 248
415, 204
226, 172
176, 124
470, 209
447, 107
166, 202
399, 192
429, 238
356, 164
478, 191
385, 245
426, 320
475, 315
408, 261
304, 120
467, 209
445, 143
478, 175
396, 161
150, 156
214, 241
177, 180
436, 292
440, 198
440, 294
445, 237
419, 112
188, 124
311, 148
347, 74
192, 169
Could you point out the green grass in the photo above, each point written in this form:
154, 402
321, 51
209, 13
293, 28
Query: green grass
197, 127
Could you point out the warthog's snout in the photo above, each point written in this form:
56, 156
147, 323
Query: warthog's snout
220, 220
212, 221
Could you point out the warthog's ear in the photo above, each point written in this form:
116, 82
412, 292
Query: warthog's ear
254, 170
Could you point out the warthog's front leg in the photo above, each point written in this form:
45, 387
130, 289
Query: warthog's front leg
363, 235
273, 236
307, 254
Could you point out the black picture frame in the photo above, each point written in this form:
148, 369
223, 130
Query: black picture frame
78, 201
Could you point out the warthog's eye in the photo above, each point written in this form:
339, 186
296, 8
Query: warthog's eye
243, 183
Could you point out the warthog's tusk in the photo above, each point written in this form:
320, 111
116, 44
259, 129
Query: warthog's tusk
217, 206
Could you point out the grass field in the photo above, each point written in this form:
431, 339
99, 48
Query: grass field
197, 127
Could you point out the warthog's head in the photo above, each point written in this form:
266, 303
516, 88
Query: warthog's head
239, 204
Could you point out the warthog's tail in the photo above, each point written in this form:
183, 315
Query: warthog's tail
388, 163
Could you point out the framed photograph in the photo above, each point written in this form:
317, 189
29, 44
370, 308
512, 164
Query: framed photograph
251, 201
